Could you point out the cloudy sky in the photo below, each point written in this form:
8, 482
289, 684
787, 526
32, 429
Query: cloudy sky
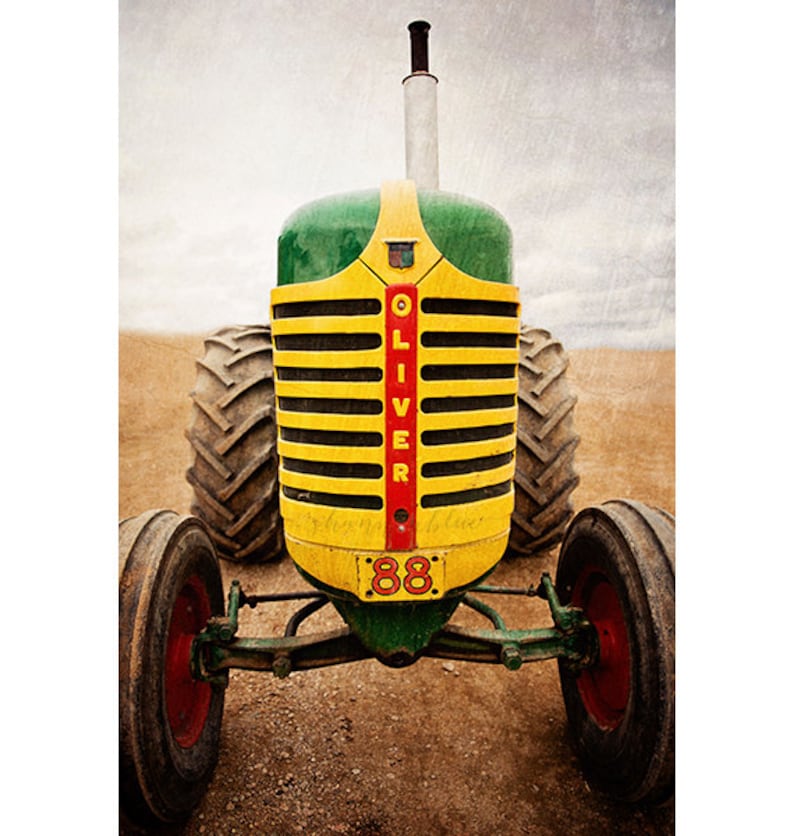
559, 113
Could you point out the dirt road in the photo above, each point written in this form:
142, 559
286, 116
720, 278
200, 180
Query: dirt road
438, 748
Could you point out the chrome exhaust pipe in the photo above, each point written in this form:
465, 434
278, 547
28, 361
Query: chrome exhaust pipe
421, 112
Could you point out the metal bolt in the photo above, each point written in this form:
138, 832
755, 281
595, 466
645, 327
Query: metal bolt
511, 658
282, 666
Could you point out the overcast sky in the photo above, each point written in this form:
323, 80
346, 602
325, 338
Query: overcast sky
559, 113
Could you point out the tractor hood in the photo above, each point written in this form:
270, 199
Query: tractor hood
324, 237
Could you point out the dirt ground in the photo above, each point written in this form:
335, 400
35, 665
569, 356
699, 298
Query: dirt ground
438, 748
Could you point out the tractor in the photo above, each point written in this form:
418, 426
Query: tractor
396, 431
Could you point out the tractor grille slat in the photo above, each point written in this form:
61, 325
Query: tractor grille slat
476, 465
335, 500
327, 342
468, 339
332, 438
468, 403
339, 470
433, 438
469, 307
328, 307
439, 500
469, 371
354, 375
335, 406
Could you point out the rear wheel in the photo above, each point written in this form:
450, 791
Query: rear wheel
169, 723
617, 563
545, 476
233, 434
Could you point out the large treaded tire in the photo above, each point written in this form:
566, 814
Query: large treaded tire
169, 723
233, 434
617, 563
545, 476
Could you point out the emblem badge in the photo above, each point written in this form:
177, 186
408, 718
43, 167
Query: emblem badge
401, 254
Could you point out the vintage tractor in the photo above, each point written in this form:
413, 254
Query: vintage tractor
397, 432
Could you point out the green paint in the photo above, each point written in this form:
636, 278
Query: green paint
386, 628
324, 237
470, 235
397, 634
396, 630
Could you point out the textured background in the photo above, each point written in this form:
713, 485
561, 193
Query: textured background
559, 113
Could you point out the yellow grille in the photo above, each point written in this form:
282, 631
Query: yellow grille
330, 384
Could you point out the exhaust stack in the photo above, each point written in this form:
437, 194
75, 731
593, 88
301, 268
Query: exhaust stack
421, 112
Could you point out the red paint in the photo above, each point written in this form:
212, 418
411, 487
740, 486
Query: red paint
417, 576
390, 575
604, 689
386, 581
401, 406
187, 699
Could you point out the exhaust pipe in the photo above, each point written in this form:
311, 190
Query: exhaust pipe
421, 112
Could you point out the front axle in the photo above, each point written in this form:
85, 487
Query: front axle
218, 649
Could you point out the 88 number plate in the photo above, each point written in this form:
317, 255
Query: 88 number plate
397, 577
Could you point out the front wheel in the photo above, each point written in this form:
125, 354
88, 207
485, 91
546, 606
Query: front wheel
617, 563
169, 723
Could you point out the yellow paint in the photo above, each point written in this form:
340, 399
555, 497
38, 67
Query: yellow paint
340, 528
400, 406
398, 344
460, 524
329, 542
401, 305
340, 568
399, 220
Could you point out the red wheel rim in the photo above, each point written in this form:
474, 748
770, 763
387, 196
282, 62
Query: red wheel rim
187, 699
604, 688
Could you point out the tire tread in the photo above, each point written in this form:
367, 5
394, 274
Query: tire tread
234, 474
546, 442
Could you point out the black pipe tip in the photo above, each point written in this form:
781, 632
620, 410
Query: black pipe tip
420, 62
